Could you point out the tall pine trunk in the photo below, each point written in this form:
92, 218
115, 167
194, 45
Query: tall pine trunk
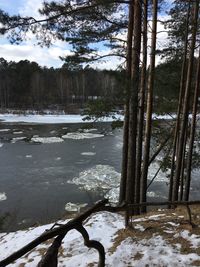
122, 194
192, 133
141, 101
181, 94
133, 104
149, 107
185, 104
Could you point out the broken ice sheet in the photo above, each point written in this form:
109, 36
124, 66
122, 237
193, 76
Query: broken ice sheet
74, 207
88, 153
47, 140
99, 177
79, 136
3, 196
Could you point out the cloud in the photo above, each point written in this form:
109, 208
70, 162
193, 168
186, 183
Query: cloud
30, 8
43, 56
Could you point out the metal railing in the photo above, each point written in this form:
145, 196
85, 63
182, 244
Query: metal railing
58, 232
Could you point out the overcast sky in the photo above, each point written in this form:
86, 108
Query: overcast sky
45, 56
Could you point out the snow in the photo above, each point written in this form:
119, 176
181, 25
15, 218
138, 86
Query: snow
47, 140
30, 118
29, 156
16, 139
19, 132
4, 130
79, 136
99, 177
105, 227
74, 207
3, 196
88, 153
63, 118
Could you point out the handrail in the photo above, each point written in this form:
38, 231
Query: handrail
59, 233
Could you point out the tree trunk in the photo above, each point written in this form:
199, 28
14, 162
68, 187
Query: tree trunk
180, 102
141, 103
149, 107
131, 172
122, 194
192, 134
185, 104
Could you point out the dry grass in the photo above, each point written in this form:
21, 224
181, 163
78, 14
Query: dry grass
168, 226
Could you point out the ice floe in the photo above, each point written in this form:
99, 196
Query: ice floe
47, 140
75, 207
18, 132
29, 156
79, 136
88, 153
4, 130
89, 130
16, 139
3, 196
100, 177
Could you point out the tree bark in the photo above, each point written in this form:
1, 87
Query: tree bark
180, 102
186, 104
192, 134
133, 104
122, 194
149, 107
141, 103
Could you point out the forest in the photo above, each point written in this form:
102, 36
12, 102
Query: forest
152, 79
26, 85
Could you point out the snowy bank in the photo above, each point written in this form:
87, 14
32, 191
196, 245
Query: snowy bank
155, 240
49, 119
63, 118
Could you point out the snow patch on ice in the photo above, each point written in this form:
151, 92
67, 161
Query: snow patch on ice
4, 130
29, 156
19, 132
88, 153
113, 195
100, 176
74, 207
79, 136
47, 140
89, 130
16, 139
3, 196
1, 144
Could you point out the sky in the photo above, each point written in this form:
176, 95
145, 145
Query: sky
47, 56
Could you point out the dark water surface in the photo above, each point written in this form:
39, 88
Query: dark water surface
34, 176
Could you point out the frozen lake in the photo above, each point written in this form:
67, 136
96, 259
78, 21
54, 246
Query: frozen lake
45, 167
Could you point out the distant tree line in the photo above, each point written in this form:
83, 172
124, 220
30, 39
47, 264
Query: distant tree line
26, 85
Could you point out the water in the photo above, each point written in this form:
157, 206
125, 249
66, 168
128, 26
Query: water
35, 178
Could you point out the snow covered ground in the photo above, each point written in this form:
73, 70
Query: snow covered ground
45, 118
49, 118
155, 240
